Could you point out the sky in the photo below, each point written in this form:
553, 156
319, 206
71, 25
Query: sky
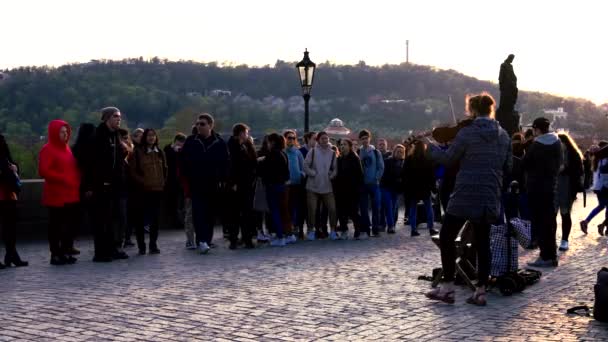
559, 46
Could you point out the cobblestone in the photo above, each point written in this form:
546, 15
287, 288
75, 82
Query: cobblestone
322, 290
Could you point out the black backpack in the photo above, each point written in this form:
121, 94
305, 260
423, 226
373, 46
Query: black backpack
600, 306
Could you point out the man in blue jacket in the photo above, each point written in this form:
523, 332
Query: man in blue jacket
373, 169
205, 162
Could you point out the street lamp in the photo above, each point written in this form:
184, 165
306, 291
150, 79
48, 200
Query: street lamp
306, 71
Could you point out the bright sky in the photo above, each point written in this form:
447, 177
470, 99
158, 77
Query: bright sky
560, 46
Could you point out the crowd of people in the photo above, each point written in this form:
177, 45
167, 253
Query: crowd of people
282, 192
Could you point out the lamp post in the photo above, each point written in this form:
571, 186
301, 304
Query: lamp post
306, 71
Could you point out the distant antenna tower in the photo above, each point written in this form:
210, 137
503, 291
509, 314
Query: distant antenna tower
407, 52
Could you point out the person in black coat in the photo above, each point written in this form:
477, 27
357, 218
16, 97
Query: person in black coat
83, 151
346, 189
241, 185
205, 163
174, 194
391, 185
419, 181
108, 185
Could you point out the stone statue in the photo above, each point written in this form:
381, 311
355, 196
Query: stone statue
506, 113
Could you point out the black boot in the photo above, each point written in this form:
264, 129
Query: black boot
13, 258
58, 260
154, 249
2, 266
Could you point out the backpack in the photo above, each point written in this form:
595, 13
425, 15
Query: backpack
600, 306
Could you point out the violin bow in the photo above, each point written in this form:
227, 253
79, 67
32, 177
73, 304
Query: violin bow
452, 107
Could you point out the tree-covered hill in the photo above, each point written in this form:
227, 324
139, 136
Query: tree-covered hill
389, 99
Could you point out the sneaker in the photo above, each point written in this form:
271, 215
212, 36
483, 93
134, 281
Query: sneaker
120, 255
344, 235
415, 233
190, 245
390, 231
584, 226
278, 243
363, 236
563, 246
154, 250
433, 232
310, 236
262, 237
291, 239
333, 235
203, 248
543, 263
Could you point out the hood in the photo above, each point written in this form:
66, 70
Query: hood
547, 139
489, 129
54, 128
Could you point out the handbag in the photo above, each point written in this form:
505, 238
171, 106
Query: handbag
522, 230
260, 203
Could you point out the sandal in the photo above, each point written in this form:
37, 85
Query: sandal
447, 297
478, 299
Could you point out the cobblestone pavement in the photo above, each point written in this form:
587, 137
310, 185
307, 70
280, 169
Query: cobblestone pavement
322, 290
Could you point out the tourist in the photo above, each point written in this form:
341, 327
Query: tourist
383, 148
348, 183
295, 187
173, 194
130, 202
61, 192
274, 171
9, 187
205, 162
569, 184
241, 186
484, 151
108, 184
600, 187
373, 168
320, 166
391, 185
83, 151
542, 163
419, 182
136, 136
148, 169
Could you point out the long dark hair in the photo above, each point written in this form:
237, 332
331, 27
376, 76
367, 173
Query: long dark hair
84, 140
144, 138
277, 141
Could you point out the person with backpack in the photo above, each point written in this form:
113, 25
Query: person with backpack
600, 187
569, 184
373, 169
9, 188
321, 168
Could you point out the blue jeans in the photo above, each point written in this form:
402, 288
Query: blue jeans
373, 191
274, 194
602, 199
390, 205
429, 213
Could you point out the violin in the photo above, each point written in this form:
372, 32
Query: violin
443, 134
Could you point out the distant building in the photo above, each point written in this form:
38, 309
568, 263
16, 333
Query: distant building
553, 114
220, 93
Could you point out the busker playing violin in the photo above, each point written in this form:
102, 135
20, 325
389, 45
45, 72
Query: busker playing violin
483, 150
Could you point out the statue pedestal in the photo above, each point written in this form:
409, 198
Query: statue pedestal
509, 120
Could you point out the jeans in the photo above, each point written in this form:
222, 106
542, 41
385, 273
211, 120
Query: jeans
151, 209
543, 219
390, 206
602, 199
275, 194
430, 218
63, 224
295, 205
370, 191
451, 227
204, 211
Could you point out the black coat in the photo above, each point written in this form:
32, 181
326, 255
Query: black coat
275, 168
541, 165
242, 164
418, 178
109, 163
350, 175
204, 162
172, 183
393, 173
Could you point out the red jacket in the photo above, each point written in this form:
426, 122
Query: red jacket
59, 169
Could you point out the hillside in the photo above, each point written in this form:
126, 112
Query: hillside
389, 99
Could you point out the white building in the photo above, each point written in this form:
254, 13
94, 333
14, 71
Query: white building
558, 113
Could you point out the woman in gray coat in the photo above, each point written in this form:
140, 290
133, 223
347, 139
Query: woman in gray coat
483, 150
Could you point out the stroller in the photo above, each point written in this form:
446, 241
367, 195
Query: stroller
504, 246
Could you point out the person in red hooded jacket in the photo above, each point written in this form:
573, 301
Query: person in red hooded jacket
61, 192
